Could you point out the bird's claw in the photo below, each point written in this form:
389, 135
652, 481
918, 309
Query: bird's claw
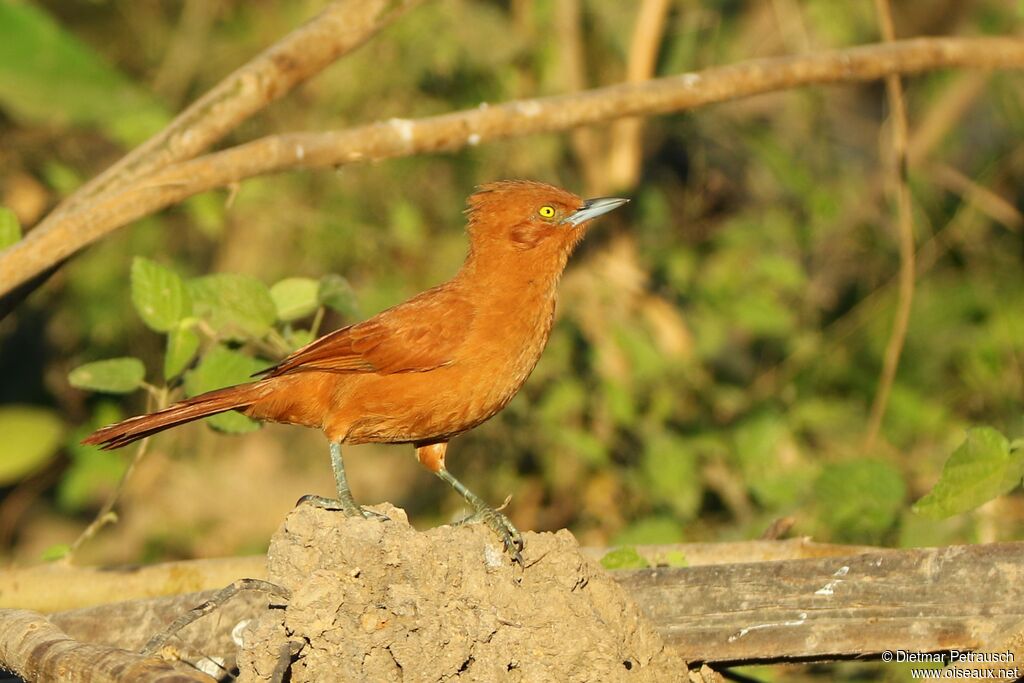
501, 525
348, 507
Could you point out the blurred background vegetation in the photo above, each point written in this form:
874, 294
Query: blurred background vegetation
719, 341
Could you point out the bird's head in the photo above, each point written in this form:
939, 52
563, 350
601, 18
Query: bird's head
523, 215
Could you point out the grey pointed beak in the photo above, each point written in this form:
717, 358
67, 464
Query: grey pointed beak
592, 208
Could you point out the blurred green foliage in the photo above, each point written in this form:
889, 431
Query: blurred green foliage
48, 76
719, 343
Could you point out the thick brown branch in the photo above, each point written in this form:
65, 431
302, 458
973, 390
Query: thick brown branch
36, 650
68, 233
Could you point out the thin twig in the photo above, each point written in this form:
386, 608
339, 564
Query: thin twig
989, 202
158, 641
106, 515
905, 225
70, 232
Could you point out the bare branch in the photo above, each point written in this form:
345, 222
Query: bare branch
900, 189
625, 149
70, 232
214, 603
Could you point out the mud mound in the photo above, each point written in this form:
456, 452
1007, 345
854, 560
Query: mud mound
379, 601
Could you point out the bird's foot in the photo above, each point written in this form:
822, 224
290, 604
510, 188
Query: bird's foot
501, 525
349, 507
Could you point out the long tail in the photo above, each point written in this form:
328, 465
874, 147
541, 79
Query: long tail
210, 403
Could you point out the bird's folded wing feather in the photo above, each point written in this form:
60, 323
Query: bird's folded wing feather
421, 334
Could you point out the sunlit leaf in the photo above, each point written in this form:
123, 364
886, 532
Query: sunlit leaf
10, 228
983, 467
112, 376
295, 298
182, 344
624, 558
223, 367
675, 558
159, 295
236, 306
55, 552
31, 436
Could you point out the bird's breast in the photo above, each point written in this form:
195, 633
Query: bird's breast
500, 352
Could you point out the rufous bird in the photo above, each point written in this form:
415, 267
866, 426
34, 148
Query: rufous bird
427, 369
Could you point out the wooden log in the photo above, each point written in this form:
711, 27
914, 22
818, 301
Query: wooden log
36, 650
60, 587
820, 608
918, 600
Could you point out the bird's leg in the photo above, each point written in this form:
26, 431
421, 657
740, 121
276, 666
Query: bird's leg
344, 502
431, 456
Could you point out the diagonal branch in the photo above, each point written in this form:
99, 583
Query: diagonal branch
905, 226
339, 29
68, 233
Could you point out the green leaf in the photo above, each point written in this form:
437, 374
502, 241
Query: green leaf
10, 228
336, 293
675, 558
31, 437
983, 467
159, 295
182, 344
860, 499
55, 552
238, 307
49, 76
112, 376
624, 558
295, 298
223, 367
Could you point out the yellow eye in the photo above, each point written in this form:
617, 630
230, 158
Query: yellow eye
547, 212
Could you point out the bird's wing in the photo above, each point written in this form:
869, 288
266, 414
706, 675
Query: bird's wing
421, 334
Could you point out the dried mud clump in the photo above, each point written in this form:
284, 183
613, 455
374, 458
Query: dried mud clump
380, 601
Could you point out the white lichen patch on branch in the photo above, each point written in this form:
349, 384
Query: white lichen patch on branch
529, 108
777, 624
404, 128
